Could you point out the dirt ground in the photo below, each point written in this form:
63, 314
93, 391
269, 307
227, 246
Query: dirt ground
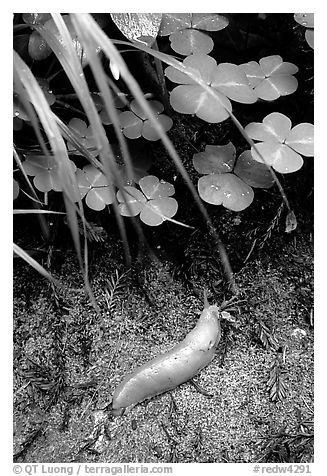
255, 400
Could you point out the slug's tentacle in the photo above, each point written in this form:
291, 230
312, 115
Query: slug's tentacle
169, 370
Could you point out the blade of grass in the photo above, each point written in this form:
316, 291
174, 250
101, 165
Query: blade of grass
66, 174
106, 94
18, 211
72, 137
36, 202
112, 53
36, 96
32, 262
62, 46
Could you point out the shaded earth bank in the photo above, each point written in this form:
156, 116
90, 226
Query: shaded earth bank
253, 403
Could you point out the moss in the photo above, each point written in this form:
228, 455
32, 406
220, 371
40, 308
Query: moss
82, 363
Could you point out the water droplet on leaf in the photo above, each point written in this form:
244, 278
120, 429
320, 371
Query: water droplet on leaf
215, 187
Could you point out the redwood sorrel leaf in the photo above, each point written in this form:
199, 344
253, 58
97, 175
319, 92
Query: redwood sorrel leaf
155, 211
228, 181
202, 66
271, 77
275, 126
216, 159
309, 36
15, 189
279, 156
172, 22
185, 37
131, 201
153, 202
305, 19
85, 135
39, 49
95, 186
44, 84
190, 99
252, 172
138, 27
209, 103
301, 139
135, 123
45, 170
190, 41
153, 188
36, 18
230, 80
281, 145
227, 190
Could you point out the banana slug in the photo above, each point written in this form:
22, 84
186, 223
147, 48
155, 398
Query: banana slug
168, 370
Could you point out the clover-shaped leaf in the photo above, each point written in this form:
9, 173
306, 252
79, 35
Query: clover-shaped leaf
94, 185
44, 85
172, 22
15, 189
98, 100
85, 135
190, 41
281, 145
307, 20
228, 180
217, 159
39, 49
252, 172
136, 123
138, 27
153, 202
185, 36
271, 77
225, 189
45, 170
225, 80
19, 110
140, 165
36, 18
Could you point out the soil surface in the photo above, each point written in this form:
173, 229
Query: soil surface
253, 403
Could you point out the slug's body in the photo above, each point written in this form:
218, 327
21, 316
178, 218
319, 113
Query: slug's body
169, 370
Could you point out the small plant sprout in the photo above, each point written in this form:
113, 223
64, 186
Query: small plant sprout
280, 145
185, 31
153, 202
136, 123
228, 184
271, 77
226, 79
